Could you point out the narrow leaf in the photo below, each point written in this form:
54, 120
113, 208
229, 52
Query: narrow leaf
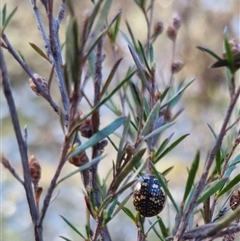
151, 119
144, 56
128, 168
73, 227
191, 177
109, 79
102, 101
64, 238
4, 14
82, 168
121, 207
6, 22
163, 228
159, 130
123, 140
211, 189
229, 55
205, 49
177, 94
39, 51
105, 132
172, 146
231, 184
163, 145
140, 68
164, 186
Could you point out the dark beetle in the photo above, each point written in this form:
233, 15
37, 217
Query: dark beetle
148, 196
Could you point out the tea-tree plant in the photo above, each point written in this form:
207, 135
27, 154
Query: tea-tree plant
143, 108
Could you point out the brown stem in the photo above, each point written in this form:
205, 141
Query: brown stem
201, 184
22, 147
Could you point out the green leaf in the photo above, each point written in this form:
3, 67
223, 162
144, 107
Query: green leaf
73, 227
109, 79
164, 94
121, 207
92, 17
102, 102
7, 20
127, 169
164, 186
219, 159
151, 54
163, 145
132, 36
151, 119
72, 51
177, 94
122, 141
211, 189
21, 56
171, 147
99, 136
144, 56
163, 228
97, 23
113, 31
39, 51
129, 213
67, 239
209, 51
229, 55
4, 14
82, 168
231, 184
191, 177
104, 203
158, 130
140, 68
156, 232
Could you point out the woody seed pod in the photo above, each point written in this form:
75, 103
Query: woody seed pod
35, 170
42, 82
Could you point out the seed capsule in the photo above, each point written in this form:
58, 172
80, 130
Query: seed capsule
148, 196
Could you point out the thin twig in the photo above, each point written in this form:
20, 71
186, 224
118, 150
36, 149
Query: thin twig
47, 199
53, 50
201, 184
45, 95
7, 165
61, 13
95, 150
22, 147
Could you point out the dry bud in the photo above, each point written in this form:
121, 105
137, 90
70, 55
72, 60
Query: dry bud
176, 22
235, 200
130, 149
38, 193
171, 33
86, 128
158, 28
177, 66
35, 170
42, 82
5, 162
157, 95
235, 47
79, 159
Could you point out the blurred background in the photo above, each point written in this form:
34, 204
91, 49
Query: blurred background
205, 101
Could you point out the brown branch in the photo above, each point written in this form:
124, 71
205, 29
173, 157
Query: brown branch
53, 49
48, 196
22, 147
7, 165
201, 184
45, 95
